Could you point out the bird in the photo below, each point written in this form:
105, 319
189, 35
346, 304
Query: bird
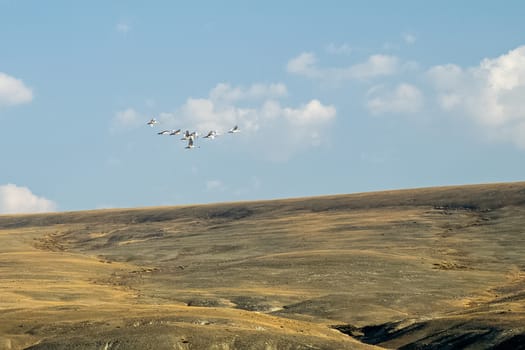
152, 122
190, 143
164, 132
234, 130
175, 132
186, 135
211, 135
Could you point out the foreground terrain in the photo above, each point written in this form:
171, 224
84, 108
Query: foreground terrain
429, 268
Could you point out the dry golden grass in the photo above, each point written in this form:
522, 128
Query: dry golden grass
425, 267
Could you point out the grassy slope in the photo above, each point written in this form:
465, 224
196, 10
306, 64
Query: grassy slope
399, 268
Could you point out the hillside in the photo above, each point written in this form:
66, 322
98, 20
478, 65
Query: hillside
436, 268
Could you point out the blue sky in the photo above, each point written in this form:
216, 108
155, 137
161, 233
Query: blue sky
332, 97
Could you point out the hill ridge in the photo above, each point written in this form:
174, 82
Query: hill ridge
489, 196
406, 268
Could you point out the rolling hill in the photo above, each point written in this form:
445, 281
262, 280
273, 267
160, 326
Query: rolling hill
433, 268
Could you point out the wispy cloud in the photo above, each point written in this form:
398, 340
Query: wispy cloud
378, 65
402, 99
490, 94
15, 199
227, 93
13, 91
305, 64
127, 119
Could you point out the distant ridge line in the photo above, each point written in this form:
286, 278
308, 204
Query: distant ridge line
467, 197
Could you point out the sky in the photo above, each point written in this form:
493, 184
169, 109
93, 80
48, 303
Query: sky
331, 97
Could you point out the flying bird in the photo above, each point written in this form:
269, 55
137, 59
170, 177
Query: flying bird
152, 122
211, 135
164, 132
190, 143
234, 130
175, 132
186, 135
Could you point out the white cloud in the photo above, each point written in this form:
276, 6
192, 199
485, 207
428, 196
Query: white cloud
293, 129
226, 93
304, 64
446, 77
314, 112
219, 111
490, 94
127, 119
404, 98
13, 91
258, 112
15, 199
203, 114
375, 66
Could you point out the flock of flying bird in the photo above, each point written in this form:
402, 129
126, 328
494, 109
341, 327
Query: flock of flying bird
190, 137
